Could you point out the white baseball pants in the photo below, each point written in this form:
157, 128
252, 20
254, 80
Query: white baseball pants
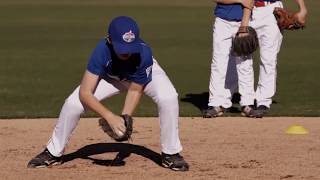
270, 39
240, 71
160, 89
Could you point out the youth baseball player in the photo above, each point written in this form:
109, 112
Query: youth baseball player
122, 62
229, 17
270, 39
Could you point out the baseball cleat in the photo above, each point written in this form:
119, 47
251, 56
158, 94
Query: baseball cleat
44, 159
247, 111
174, 162
260, 111
213, 111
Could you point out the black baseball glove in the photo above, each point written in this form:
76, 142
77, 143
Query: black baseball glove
245, 42
128, 122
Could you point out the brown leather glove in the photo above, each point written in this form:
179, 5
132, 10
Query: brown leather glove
128, 122
286, 19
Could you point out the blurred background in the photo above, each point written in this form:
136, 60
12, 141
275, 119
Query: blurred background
45, 46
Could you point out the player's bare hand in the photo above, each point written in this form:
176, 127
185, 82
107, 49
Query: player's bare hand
117, 124
247, 3
243, 34
301, 17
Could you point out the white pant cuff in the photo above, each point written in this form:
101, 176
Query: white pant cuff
171, 151
246, 103
51, 150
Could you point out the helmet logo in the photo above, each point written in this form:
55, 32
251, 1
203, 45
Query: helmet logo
128, 37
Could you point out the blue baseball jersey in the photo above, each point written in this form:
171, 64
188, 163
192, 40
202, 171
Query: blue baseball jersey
230, 12
105, 63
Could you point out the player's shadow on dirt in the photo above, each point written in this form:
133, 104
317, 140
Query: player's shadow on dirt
201, 101
124, 150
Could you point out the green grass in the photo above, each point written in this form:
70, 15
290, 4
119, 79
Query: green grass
45, 45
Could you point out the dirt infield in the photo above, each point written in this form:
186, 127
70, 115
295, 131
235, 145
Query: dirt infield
221, 148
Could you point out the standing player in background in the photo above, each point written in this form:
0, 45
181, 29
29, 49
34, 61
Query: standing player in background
270, 39
122, 62
230, 16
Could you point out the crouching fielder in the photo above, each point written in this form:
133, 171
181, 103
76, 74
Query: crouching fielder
121, 62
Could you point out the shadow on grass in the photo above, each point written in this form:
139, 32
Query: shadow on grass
201, 101
124, 150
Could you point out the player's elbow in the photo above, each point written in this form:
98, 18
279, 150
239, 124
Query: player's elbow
84, 95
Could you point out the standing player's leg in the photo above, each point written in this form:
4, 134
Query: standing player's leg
68, 120
270, 39
246, 84
163, 93
219, 94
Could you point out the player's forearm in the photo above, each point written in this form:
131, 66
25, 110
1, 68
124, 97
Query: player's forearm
132, 99
87, 88
91, 102
246, 17
302, 6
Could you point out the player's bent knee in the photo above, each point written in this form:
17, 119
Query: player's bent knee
73, 104
168, 98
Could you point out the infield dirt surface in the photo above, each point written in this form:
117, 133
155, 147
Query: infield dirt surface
221, 148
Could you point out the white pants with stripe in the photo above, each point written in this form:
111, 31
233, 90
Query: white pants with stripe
160, 89
240, 71
270, 39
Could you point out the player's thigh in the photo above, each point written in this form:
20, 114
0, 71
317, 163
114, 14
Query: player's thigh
269, 35
160, 87
108, 88
223, 32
